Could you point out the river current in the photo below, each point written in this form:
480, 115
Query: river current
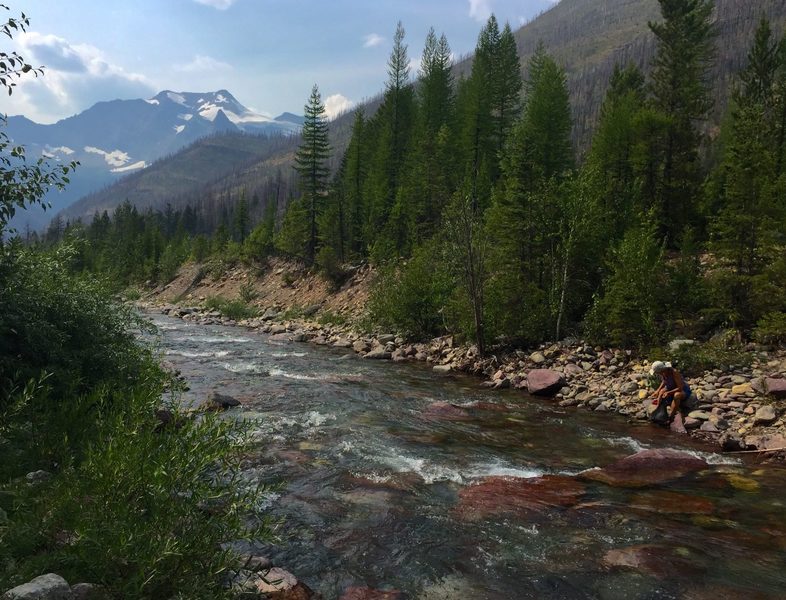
369, 460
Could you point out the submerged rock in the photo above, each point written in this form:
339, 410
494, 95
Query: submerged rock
658, 561
647, 467
667, 502
367, 593
221, 402
446, 410
517, 496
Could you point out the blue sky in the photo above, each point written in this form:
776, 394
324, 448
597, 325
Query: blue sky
268, 53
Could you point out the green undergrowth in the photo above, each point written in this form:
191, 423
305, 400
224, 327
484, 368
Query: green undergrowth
234, 309
142, 508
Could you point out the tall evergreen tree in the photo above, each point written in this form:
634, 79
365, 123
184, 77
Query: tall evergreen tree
680, 90
392, 128
311, 164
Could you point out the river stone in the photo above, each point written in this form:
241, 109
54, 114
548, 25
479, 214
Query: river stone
537, 357
544, 382
658, 561
775, 387
648, 467
342, 343
521, 497
367, 593
385, 338
44, 587
691, 423
221, 402
279, 584
378, 353
709, 427
631, 387
571, 370
766, 442
766, 415
441, 368
677, 425
360, 346
701, 415
741, 389
276, 329
446, 410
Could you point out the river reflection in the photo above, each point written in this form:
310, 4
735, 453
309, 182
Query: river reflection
398, 479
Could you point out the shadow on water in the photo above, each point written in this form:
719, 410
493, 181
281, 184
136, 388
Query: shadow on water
395, 478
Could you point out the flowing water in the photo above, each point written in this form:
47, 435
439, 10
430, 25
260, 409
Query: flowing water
370, 465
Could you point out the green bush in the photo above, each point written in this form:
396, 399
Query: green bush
410, 297
130, 504
233, 309
771, 328
329, 265
723, 351
329, 317
247, 292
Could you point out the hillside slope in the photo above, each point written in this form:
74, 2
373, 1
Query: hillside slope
588, 37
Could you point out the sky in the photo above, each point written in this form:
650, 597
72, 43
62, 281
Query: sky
267, 53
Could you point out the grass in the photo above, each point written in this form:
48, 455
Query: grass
232, 309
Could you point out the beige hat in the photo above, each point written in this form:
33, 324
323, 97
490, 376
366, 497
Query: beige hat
659, 366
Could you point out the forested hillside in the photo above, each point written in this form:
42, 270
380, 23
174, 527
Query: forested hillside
471, 197
586, 37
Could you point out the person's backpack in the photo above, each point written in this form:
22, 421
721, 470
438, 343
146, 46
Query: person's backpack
661, 414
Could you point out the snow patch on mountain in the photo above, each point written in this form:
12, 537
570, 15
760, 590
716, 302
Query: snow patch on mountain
185, 116
177, 98
132, 167
115, 158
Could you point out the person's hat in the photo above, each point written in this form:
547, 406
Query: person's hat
659, 366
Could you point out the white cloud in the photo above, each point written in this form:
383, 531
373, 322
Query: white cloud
202, 64
336, 104
480, 10
218, 4
76, 76
372, 40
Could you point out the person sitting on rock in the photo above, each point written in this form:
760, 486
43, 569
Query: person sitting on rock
673, 390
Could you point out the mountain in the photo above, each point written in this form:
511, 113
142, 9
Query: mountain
588, 37
115, 138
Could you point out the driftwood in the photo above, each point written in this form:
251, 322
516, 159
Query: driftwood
756, 451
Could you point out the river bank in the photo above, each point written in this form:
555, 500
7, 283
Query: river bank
739, 408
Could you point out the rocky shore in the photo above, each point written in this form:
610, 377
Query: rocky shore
740, 409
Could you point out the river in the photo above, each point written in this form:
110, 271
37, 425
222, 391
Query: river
371, 465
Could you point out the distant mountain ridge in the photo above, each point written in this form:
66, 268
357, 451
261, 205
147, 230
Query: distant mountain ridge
117, 137
587, 37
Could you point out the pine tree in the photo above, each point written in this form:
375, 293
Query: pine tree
680, 90
611, 156
311, 164
392, 129
748, 228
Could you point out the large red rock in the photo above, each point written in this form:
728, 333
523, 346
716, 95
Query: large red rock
367, 593
544, 382
521, 497
775, 387
648, 467
448, 411
674, 503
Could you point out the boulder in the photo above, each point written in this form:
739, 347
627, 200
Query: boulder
342, 343
361, 346
385, 338
517, 496
218, 401
775, 387
766, 415
544, 382
378, 353
44, 587
648, 467
766, 442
